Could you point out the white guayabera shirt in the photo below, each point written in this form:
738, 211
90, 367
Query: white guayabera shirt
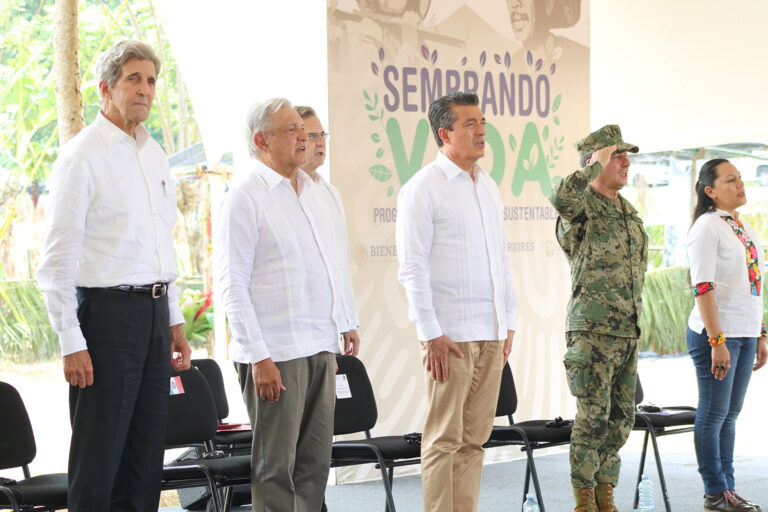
110, 222
335, 209
453, 254
277, 279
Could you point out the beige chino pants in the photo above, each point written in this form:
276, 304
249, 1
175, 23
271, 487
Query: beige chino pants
459, 421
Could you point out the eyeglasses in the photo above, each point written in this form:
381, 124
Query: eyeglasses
314, 135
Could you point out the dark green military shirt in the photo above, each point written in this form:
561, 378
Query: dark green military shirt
607, 249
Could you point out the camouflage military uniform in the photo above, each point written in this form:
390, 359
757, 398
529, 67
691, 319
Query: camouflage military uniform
607, 249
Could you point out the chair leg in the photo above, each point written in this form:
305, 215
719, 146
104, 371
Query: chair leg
527, 484
390, 506
391, 475
534, 476
10, 497
661, 472
229, 494
640, 470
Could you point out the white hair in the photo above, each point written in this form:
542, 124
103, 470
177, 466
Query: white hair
259, 120
111, 62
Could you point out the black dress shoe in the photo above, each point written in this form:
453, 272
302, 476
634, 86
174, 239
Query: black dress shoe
725, 502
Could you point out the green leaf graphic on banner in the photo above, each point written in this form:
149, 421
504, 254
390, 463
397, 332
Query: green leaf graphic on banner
390, 191
512, 143
365, 93
372, 117
375, 138
379, 152
530, 165
380, 172
556, 103
545, 133
405, 166
496, 144
556, 120
368, 107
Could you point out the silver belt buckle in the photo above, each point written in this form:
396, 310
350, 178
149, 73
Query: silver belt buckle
158, 290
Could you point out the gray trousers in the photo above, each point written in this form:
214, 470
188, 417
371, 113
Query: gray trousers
291, 451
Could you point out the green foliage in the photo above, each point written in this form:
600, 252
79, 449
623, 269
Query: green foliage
25, 332
27, 99
667, 302
197, 308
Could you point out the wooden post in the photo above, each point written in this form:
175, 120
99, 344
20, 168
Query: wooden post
66, 70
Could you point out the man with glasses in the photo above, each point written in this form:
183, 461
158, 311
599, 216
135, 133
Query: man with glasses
316, 152
606, 246
278, 285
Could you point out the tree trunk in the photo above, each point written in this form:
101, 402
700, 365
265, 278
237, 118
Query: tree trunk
66, 70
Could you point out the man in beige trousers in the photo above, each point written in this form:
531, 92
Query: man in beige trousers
455, 270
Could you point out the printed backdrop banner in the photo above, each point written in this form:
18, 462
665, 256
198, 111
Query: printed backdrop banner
528, 61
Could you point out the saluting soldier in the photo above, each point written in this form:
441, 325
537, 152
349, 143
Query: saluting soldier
607, 248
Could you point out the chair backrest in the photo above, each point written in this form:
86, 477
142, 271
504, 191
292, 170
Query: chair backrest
212, 373
191, 414
357, 413
638, 392
507, 403
17, 442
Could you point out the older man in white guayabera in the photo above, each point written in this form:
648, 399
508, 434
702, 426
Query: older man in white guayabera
279, 287
108, 274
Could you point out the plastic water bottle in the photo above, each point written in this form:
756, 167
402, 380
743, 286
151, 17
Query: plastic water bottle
645, 489
530, 504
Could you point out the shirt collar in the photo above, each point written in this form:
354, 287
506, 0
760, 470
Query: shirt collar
113, 134
274, 178
451, 170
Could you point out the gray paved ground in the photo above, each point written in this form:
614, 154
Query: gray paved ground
503, 485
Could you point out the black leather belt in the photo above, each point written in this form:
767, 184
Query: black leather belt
155, 290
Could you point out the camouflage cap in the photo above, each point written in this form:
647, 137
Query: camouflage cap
606, 136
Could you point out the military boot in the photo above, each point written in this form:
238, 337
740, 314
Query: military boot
604, 497
585, 499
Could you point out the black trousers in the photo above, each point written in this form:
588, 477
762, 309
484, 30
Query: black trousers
118, 423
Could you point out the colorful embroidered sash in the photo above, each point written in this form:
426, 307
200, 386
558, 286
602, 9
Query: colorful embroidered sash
753, 265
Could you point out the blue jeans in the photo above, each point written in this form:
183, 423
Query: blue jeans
720, 402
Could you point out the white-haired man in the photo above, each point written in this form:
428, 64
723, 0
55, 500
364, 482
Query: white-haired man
108, 275
278, 286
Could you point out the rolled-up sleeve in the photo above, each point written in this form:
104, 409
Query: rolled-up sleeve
414, 232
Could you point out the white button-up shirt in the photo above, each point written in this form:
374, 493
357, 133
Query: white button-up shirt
716, 255
453, 254
276, 274
335, 209
110, 222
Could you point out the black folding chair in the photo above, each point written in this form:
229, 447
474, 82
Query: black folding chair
530, 435
192, 421
665, 421
232, 442
18, 449
358, 413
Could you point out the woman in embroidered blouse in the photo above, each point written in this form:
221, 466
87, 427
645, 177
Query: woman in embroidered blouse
724, 329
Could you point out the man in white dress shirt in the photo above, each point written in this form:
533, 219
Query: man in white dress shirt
278, 285
316, 139
108, 274
455, 270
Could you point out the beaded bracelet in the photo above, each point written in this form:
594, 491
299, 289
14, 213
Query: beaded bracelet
763, 332
716, 340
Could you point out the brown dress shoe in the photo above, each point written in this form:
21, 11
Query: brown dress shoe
585, 499
739, 498
725, 502
604, 498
